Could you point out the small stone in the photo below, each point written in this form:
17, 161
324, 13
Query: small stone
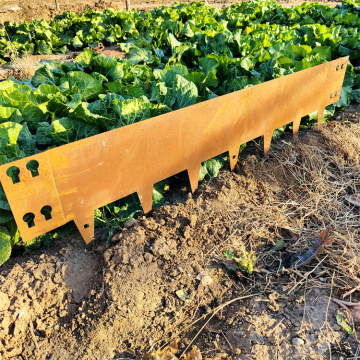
4, 301
130, 223
21, 314
339, 117
297, 342
206, 280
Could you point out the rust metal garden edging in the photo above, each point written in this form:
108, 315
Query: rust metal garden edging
73, 180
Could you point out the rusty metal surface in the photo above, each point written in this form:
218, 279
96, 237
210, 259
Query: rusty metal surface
77, 178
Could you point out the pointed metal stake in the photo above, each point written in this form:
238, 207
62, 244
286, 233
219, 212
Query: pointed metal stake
320, 115
233, 155
85, 224
145, 196
296, 126
193, 173
267, 142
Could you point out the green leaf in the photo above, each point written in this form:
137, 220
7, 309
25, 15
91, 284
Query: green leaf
137, 55
5, 244
185, 92
5, 216
343, 323
66, 130
82, 112
108, 66
134, 110
9, 133
4, 205
208, 65
210, 168
183, 295
323, 51
84, 59
10, 114
85, 85
247, 63
43, 76
345, 97
158, 197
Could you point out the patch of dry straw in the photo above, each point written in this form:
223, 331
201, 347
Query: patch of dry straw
318, 173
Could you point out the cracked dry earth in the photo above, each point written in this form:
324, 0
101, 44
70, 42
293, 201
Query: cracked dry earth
66, 302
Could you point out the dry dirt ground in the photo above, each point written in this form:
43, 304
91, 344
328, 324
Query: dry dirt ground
157, 281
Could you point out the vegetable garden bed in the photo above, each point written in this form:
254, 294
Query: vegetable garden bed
194, 53
189, 52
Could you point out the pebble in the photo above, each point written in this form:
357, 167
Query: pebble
130, 223
339, 117
20, 315
206, 280
297, 341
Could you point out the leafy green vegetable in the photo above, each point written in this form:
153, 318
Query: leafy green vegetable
5, 244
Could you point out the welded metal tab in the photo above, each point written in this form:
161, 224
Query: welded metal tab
73, 180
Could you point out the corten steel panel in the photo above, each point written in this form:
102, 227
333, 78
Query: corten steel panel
77, 178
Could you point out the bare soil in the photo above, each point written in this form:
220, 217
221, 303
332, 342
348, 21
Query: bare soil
125, 301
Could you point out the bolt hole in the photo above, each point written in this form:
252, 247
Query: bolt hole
33, 166
338, 67
331, 95
336, 93
342, 66
234, 156
13, 172
46, 211
86, 226
29, 219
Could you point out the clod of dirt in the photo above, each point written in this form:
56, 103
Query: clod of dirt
163, 247
4, 301
273, 305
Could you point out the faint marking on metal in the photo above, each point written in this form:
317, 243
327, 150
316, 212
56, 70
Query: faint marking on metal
77, 178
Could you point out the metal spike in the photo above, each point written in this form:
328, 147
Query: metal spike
193, 174
145, 197
267, 142
296, 126
233, 155
85, 224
